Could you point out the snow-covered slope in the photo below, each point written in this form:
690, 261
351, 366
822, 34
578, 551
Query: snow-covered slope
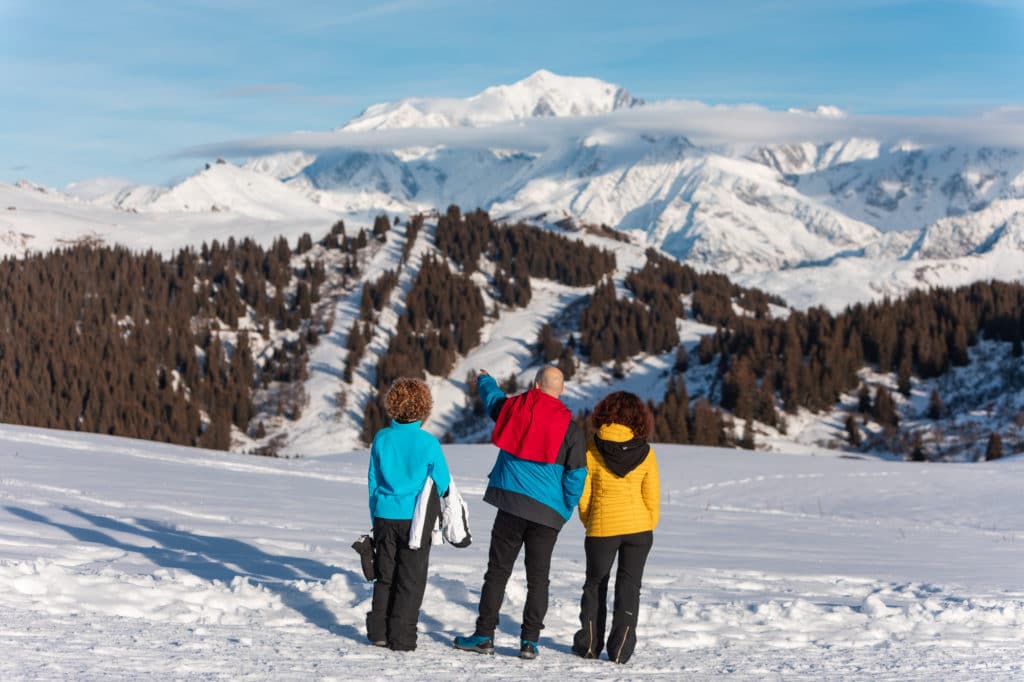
248, 204
223, 187
123, 559
541, 94
731, 207
907, 188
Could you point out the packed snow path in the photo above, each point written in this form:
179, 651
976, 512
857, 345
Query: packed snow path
123, 559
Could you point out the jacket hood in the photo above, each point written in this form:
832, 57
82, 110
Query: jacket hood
621, 450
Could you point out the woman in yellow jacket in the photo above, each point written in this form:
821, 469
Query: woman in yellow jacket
620, 506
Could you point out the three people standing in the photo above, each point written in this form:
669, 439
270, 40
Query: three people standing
540, 476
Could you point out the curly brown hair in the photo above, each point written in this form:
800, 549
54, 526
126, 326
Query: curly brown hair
623, 407
408, 400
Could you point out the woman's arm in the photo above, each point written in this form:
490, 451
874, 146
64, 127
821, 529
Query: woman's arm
650, 489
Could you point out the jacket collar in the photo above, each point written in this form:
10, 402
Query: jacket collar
406, 425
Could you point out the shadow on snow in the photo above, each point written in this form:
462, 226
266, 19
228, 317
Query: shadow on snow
218, 558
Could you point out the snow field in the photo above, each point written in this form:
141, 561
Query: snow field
122, 559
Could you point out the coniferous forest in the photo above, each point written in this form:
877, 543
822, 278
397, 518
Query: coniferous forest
184, 349
103, 340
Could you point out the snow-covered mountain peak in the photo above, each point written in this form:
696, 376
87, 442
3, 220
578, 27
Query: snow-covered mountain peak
541, 94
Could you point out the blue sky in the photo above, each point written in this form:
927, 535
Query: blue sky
118, 88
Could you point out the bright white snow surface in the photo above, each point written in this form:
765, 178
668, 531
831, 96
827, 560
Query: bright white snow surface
126, 559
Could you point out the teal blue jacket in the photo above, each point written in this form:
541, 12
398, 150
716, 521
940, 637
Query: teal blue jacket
401, 458
538, 492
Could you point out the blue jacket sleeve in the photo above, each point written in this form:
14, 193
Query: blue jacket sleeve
371, 479
490, 394
573, 481
439, 470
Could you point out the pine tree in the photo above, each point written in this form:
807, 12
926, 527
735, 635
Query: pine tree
510, 385
547, 345
917, 451
935, 406
903, 378
567, 362
682, 359
864, 399
853, 431
884, 408
994, 449
747, 442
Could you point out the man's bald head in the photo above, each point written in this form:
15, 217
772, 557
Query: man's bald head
550, 381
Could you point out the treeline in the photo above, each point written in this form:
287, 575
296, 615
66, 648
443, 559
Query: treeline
613, 328
811, 358
616, 328
104, 340
662, 281
804, 360
519, 252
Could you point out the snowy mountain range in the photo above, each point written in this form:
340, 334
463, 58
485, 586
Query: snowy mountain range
887, 215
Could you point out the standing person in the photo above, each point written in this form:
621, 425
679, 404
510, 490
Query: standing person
619, 507
403, 456
535, 484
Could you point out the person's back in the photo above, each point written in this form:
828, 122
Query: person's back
623, 482
405, 461
403, 456
540, 470
535, 484
619, 507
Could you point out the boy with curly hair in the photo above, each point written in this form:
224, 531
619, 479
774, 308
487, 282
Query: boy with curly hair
403, 456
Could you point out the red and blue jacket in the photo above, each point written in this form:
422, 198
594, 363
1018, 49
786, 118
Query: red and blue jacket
542, 462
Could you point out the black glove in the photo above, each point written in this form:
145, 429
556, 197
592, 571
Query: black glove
364, 548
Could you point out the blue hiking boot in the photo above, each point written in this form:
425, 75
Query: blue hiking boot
528, 650
478, 643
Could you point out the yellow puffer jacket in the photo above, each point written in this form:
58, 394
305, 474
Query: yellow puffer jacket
617, 505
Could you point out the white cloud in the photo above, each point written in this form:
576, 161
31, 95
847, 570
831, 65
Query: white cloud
701, 123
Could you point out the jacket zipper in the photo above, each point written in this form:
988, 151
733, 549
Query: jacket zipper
618, 653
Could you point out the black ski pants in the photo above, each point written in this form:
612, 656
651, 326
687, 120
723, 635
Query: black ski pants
632, 551
401, 581
508, 535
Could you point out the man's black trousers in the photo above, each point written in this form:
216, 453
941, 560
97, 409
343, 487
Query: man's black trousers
401, 580
632, 551
508, 535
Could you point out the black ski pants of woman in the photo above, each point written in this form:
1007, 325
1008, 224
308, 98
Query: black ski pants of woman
631, 551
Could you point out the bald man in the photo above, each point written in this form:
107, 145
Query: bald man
535, 484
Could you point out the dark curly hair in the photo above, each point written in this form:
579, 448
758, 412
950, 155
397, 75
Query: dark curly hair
408, 400
623, 407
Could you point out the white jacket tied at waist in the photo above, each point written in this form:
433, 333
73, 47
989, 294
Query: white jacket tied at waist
453, 525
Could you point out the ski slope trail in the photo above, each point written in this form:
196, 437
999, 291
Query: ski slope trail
122, 559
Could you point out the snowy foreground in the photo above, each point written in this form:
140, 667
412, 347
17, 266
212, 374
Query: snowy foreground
124, 559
